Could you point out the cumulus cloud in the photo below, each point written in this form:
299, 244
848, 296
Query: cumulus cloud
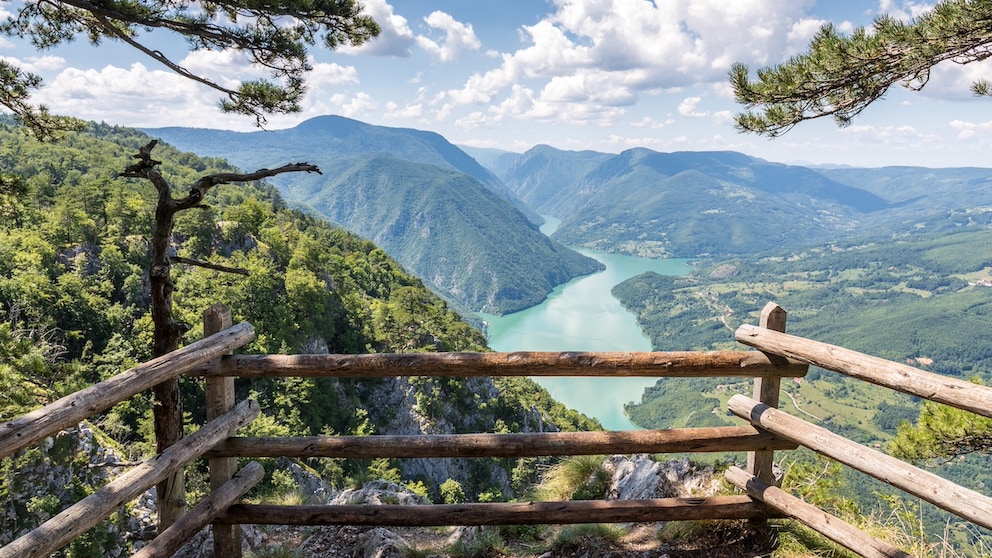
968, 130
593, 57
331, 74
354, 106
227, 68
36, 64
903, 11
458, 37
135, 95
689, 108
648, 122
949, 80
890, 135
395, 37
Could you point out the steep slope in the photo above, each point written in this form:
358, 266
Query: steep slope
461, 234
325, 139
697, 203
74, 309
690, 204
543, 172
429, 222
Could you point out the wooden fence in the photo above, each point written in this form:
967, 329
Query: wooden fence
779, 355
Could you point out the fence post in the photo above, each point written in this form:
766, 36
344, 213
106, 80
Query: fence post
766, 390
219, 393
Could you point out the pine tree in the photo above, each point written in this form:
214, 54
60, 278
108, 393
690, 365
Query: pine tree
841, 75
274, 35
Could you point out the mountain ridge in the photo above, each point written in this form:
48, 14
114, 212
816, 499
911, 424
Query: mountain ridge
340, 146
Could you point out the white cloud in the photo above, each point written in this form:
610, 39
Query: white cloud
36, 64
903, 11
477, 119
331, 74
968, 130
135, 95
413, 110
648, 122
355, 106
949, 80
688, 108
457, 37
590, 57
395, 37
226, 67
904, 135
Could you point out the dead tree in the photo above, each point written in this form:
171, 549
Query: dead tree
167, 331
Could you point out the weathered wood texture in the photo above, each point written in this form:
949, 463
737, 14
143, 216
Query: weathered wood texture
219, 395
527, 513
900, 377
687, 364
173, 538
76, 519
940, 492
766, 390
829, 526
73, 409
732, 438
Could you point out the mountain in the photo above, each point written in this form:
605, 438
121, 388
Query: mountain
543, 172
426, 202
496, 160
74, 309
447, 228
725, 203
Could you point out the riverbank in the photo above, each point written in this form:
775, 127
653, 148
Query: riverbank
582, 315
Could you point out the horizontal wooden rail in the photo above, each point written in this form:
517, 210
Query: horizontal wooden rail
204, 512
73, 409
528, 513
76, 519
688, 364
833, 528
940, 492
900, 377
716, 439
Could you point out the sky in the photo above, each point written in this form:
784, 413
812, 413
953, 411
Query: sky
603, 75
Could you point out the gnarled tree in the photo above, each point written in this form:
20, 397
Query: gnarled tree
841, 75
168, 411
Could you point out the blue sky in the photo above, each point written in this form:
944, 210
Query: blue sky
605, 75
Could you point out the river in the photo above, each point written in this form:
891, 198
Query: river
582, 315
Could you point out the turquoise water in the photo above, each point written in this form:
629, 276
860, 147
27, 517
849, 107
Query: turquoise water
582, 315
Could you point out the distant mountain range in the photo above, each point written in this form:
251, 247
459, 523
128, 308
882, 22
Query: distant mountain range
432, 207
690, 204
465, 219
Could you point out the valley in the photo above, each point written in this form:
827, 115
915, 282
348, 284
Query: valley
894, 262
582, 315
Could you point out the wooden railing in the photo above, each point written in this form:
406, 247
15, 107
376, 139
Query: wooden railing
779, 355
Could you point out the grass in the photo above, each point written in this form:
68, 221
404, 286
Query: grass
578, 477
489, 543
586, 536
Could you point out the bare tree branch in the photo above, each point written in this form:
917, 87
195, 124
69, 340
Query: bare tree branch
208, 265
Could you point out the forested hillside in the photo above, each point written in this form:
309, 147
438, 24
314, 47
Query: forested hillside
697, 204
74, 310
925, 300
423, 200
